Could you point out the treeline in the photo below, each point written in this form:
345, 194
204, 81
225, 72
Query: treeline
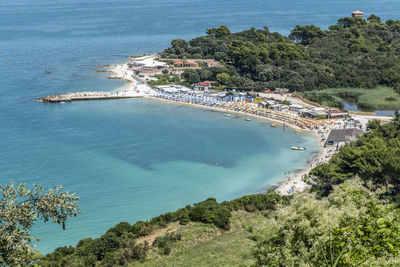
374, 157
118, 245
352, 53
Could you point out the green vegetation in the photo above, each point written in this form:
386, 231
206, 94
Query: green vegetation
120, 244
166, 78
374, 157
206, 245
20, 208
350, 54
137, 56
376, 98
351, 227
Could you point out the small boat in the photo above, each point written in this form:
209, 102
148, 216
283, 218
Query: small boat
62, 102
48, 70
228, 115
274, 125
298, 148
299, 131
247, 119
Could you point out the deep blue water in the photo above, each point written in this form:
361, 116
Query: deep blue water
134, 159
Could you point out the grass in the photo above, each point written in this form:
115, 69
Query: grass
376, 98
206, 245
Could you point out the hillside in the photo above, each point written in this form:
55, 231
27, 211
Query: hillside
354, 53
206, 245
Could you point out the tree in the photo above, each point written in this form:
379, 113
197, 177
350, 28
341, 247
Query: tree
223, 30
191, 76
350, 21
305, 34
245, 55
373, 124
374, 18
19, 210
179, 46
223, 78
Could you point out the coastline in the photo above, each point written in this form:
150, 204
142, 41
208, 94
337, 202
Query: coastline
295, 182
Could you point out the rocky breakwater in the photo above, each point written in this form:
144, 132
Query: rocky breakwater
89, 96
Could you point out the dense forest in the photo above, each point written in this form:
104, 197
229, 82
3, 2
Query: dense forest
349, 217
354, 53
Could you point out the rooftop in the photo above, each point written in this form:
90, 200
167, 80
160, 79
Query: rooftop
148, 61
337, 135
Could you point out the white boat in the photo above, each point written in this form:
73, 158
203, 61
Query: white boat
228, 115
247, 119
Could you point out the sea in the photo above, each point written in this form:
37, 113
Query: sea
130, 160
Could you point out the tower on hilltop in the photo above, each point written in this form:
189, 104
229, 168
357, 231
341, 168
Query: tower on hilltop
357, 14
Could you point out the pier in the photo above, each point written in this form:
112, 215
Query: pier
76, 96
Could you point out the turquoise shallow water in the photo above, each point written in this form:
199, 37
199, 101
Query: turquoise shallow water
134, 159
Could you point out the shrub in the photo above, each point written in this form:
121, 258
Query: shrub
90, 260
182, 216
140, 229
106, 243
163, 241
131, 252
167, 251
120, 229
109, 260
209, 211
252, 203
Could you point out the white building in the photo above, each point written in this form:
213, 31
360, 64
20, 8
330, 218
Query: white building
147, 62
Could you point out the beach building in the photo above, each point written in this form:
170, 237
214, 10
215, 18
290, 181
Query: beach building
146, 63
334, 114
295, 108
312, 113
185, 64
203, 85
181, 64
281, 91
172, 89
357, 14
279, 107
262, 104
339, 137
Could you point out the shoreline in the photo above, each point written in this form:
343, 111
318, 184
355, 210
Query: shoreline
121, 71
284, 186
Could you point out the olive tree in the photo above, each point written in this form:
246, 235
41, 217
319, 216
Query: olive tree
20, 208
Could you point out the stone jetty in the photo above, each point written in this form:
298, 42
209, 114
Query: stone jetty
89, 96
